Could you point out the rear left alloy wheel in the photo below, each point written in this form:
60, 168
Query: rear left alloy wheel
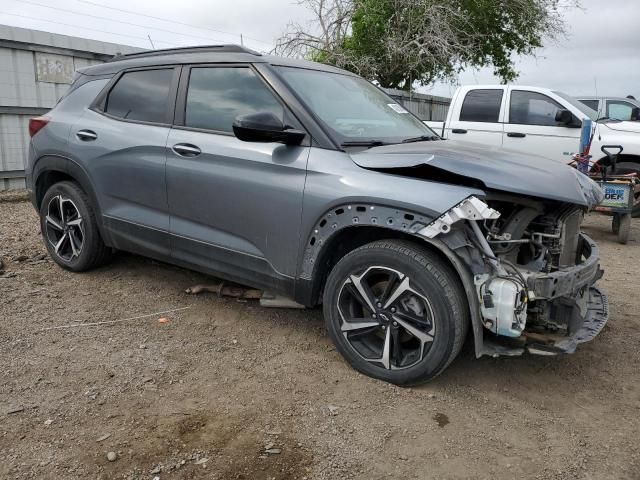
69, 228
395, 312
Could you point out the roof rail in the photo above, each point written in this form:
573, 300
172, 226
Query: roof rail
195, 49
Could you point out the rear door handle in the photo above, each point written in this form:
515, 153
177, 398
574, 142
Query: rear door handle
86, 135
186, 150
516, 134
458, 130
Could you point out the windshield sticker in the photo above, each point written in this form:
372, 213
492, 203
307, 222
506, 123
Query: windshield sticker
397, 108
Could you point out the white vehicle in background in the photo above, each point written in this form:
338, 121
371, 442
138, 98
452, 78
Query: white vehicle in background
617, 108
537, 121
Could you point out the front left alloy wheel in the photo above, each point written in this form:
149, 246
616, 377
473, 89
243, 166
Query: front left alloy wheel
395, 311
69, 228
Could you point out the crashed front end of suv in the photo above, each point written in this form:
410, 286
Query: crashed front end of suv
532, 269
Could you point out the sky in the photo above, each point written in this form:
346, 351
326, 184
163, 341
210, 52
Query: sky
601, 53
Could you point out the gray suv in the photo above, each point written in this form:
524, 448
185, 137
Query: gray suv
311, 183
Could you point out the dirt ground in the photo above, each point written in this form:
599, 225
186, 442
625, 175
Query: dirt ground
228, 390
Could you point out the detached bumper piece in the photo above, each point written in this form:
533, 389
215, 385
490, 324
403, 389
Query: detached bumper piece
596, 318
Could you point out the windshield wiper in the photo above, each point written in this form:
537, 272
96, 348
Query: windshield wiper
421, 138
363, 143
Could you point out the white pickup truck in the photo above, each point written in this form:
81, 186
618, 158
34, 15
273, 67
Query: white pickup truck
536, 121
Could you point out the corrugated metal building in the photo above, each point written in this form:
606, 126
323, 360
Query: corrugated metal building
36, 69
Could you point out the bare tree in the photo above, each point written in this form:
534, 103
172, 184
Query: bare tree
333, 20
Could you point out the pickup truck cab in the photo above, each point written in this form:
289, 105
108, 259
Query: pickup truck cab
536, 121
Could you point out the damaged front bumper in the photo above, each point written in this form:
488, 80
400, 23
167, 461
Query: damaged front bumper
569, 281
542, 305
568, 301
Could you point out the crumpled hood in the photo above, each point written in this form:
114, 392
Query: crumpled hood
629, 127
496, 169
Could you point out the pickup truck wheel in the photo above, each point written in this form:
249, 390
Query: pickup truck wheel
69, 228
623, 168
395, 312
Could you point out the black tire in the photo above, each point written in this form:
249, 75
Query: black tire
624, 228
615, 223
435, 297
88, 250
623, 168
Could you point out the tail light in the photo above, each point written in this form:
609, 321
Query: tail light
36, 124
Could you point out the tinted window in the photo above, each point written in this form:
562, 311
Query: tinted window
141, 95
619, 110
592, 104
216, 96
530, 108
481, 106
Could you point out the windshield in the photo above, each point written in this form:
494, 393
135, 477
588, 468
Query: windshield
354, 109
589, 112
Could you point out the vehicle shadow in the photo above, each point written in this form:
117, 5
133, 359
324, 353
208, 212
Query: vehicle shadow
485, 373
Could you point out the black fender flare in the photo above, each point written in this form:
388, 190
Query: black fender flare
386, 218
352, 215
65, 165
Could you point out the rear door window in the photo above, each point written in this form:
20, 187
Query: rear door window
217, 95
592, 104
481, 106
141, 95
531, 108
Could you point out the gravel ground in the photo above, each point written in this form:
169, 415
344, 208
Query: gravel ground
227, 390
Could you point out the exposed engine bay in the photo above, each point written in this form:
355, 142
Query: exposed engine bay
533, 271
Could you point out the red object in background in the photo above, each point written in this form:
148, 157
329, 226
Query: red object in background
36, 124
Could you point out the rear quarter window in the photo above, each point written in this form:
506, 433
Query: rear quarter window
141, 95
481, 106
592, 104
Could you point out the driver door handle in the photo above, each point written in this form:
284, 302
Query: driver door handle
186, 150
86, 135
516, 134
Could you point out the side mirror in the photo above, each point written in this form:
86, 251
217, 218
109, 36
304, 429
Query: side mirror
635, 114
265, 127
564, 117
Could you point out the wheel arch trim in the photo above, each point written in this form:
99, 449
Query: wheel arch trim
404, 222
353, 215
67, 166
